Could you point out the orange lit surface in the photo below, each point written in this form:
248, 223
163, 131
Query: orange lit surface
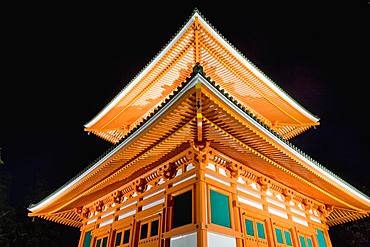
198, 42
197, 120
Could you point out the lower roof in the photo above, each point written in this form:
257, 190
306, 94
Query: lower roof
275, 155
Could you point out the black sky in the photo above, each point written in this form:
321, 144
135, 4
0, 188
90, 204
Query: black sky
63, 64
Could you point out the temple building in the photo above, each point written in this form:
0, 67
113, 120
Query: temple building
201, 157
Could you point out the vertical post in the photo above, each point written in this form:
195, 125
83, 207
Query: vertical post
314, 241
269, 224
82, 236
166, 218
270, 232
237, 214
135, 227
110, 237
201, 200
327, 237
135, 233
295, 236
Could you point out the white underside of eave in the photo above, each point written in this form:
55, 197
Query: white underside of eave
191, 84
250, 66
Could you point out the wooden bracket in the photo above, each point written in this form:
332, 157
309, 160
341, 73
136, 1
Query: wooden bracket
199, 112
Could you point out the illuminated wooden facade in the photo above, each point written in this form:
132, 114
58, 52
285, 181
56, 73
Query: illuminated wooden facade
201, 157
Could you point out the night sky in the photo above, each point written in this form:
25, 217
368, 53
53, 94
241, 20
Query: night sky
64, 64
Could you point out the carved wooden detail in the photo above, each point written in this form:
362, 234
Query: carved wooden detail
168, 171
117, 196
98, 205
201, 150
140, 185
264, 183
325, 210
288, 194
307, 203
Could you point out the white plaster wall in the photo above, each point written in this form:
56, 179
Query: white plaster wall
220, 240
188, 240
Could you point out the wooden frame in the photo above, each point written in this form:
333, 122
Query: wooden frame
100, 237
255, 240
149, 240
284, 228
120, 227
222, 189
173, 192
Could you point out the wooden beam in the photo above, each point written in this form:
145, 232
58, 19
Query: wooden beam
199, 112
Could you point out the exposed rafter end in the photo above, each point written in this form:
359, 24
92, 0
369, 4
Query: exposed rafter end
342, 216
69, 218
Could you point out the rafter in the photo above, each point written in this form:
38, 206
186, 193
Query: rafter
255, 152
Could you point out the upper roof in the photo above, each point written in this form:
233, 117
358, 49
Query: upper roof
198, 41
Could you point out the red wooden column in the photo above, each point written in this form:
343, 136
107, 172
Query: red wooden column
201, 159
237, 213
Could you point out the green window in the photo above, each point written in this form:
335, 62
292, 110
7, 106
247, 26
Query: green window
220, 211
249, 226
320, 238
126, 236
279, 236
98, 243
288, 239
261, 230
302, 241
118, 239
309, 242
87, 239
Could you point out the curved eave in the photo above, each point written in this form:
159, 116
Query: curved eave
311, 164
341, 216
34, 208
69, 218
248, 64
257, 71
141, 74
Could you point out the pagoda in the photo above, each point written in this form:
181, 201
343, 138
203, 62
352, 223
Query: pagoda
201, 157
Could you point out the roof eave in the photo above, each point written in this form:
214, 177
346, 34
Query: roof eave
256, 71
228, 46
59, 192
274, 136
141, 74
264, 129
